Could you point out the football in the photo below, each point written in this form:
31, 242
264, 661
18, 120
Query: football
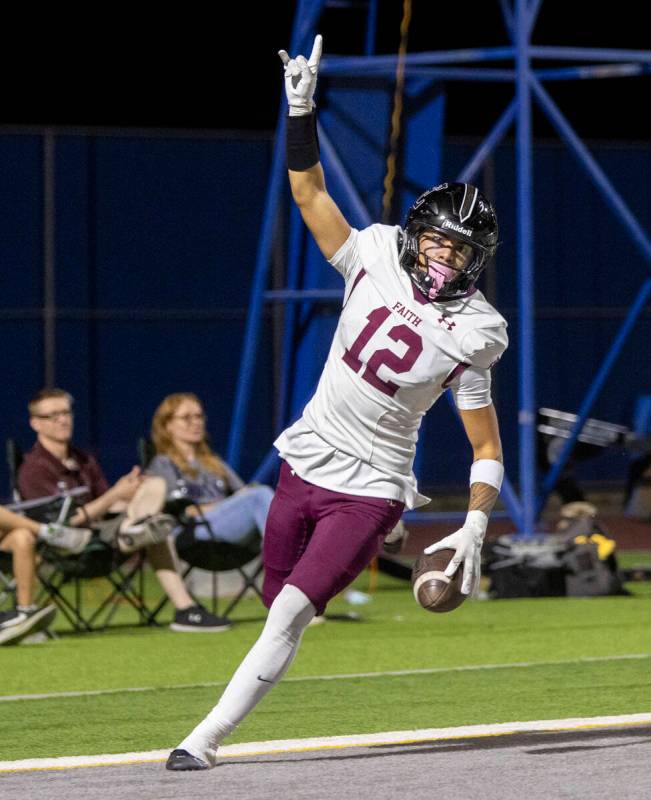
432, 589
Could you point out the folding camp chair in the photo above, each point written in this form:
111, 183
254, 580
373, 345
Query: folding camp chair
219, 557
56, 571
211, 555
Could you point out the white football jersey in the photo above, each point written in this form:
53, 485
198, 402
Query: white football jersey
393, 354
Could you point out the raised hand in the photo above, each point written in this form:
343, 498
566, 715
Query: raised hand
300, 79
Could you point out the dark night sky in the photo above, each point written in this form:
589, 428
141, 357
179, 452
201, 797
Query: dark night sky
188, 69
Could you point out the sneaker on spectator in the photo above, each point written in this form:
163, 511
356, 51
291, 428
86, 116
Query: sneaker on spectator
148, 500
152, 530
197, 620
24, 621
72, 540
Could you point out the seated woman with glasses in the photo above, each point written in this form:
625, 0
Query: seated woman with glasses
225, 508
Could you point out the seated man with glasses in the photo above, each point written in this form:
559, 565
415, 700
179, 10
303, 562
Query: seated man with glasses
55, 465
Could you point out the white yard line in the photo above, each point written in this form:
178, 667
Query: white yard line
339, 742
341, 677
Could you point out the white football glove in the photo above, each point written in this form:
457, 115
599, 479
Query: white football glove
467, 542
300, 79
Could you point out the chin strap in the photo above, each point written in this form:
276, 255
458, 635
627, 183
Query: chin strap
401, 242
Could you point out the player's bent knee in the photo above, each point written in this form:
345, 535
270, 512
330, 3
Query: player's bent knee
291, 611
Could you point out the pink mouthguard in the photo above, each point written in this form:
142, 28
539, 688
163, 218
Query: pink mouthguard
439, 274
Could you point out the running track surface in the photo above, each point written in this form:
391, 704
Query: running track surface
610, 762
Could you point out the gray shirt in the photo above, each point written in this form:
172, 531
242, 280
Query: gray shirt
204, 487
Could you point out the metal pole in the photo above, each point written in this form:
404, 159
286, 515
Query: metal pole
589, 54
507, 16
596, 71
49, 254
371, 26
534, 8
489, 144
296, 234
356, 65
337, 172
526, 348
430, 73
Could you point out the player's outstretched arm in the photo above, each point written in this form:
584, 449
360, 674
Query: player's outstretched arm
486, 476
319, 211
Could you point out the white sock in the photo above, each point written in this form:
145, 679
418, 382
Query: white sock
263, 666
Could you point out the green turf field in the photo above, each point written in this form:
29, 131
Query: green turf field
391, 634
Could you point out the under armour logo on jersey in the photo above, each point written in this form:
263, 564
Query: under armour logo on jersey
446, 319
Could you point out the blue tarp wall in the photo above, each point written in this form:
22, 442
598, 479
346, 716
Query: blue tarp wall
155, 246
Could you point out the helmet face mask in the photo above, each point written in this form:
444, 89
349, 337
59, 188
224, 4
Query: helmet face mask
458, 218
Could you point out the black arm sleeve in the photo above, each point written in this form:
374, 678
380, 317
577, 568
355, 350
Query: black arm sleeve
302, 142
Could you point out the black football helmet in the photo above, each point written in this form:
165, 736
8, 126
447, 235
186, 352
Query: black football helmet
457, 211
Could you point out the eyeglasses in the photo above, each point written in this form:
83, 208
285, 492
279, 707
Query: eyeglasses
55, 415
188, 418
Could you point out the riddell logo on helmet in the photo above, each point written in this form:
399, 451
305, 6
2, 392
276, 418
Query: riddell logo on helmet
457, 228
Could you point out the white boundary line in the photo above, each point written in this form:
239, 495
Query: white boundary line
338, 742
342, 677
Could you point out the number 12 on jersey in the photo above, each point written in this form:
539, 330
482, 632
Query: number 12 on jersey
397, 364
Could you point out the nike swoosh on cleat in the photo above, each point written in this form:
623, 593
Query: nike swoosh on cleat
264, 680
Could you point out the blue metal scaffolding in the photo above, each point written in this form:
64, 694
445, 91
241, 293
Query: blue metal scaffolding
519, 18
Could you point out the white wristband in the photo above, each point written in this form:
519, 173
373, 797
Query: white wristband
489, 471
300, 110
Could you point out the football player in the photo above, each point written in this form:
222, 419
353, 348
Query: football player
412, 325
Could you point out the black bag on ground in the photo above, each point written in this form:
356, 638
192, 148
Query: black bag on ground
587, 575
524, 569
549, 566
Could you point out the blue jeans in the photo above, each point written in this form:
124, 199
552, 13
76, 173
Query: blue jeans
236, 518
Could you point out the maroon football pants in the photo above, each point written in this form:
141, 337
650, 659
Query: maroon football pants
319, 540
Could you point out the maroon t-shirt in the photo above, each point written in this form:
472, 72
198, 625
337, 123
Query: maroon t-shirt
41, 473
